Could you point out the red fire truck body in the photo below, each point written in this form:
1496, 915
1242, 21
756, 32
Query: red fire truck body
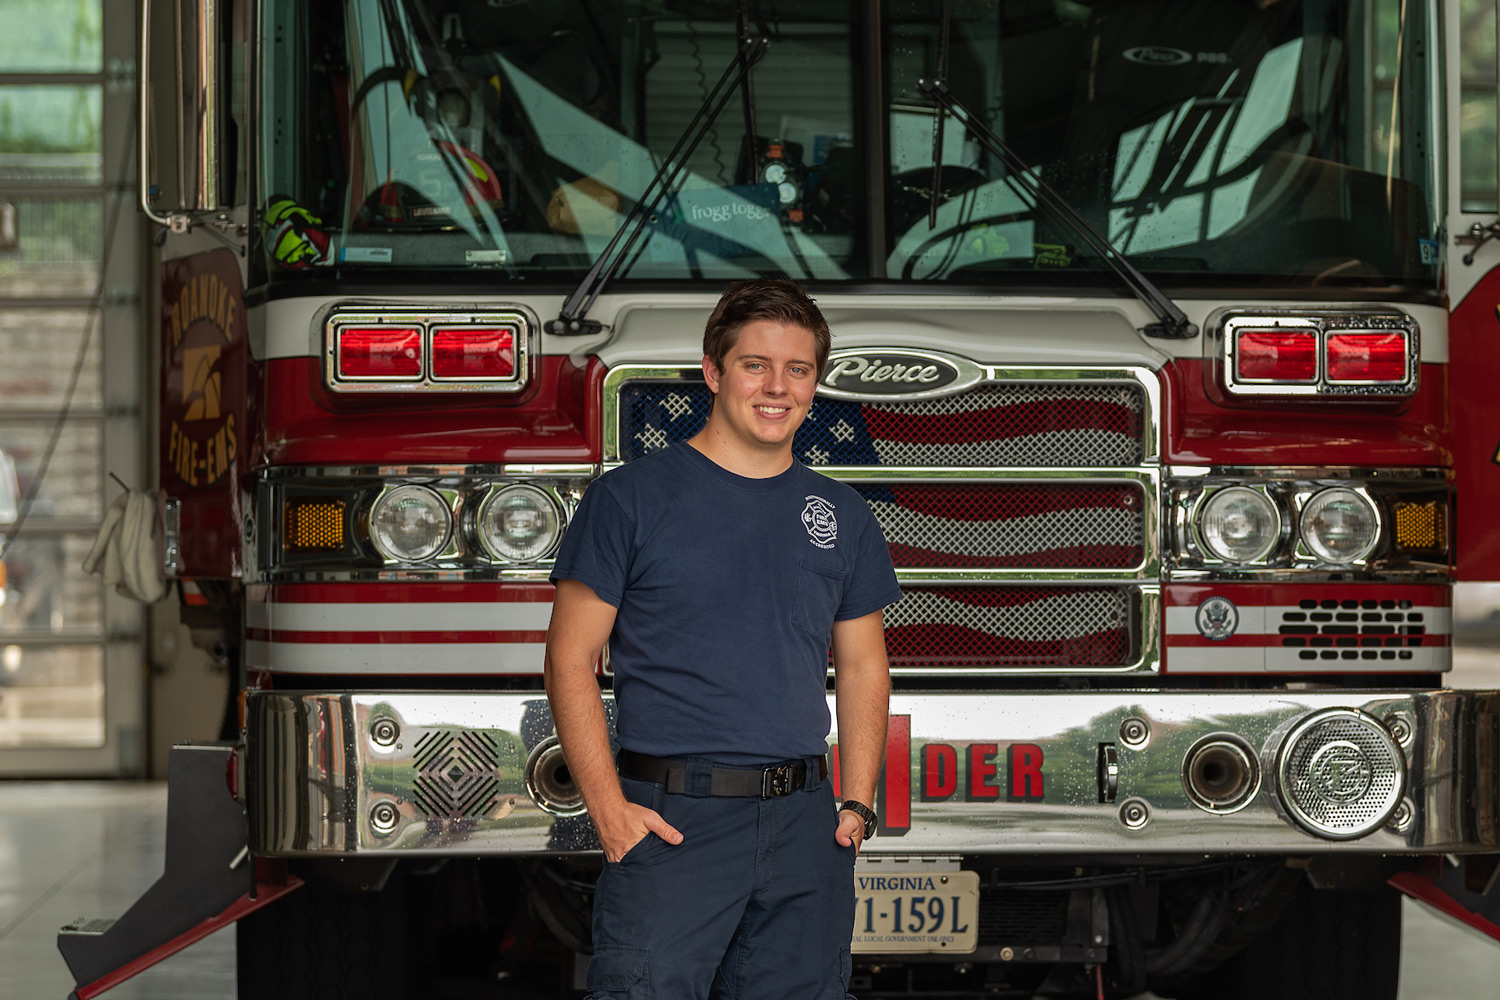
1177, 567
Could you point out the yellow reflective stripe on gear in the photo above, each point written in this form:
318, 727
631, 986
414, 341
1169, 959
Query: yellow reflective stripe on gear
277, 211
291, 247
476, 169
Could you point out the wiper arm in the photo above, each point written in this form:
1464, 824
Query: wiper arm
1171, 321
573, 319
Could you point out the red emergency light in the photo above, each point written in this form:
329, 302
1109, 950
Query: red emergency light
1333, 355
380, 352
411, 349
1276, 355
1374, 357
473, 353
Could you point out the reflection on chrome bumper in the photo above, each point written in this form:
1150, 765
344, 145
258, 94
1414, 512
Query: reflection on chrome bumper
1056, 772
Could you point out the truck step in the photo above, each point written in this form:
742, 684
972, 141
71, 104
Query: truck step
87, 928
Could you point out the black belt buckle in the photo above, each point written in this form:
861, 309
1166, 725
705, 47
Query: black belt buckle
779, 780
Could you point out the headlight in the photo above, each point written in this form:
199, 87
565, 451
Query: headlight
1339, 526
519, 524
1239, 525
410, 524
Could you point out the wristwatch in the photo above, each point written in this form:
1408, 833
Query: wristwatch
865, 813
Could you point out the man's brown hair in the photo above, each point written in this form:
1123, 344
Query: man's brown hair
778, 299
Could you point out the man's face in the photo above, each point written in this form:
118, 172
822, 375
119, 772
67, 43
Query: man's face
767, 385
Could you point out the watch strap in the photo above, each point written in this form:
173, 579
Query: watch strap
865, 813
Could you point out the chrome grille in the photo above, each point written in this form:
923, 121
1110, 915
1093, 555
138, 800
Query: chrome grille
1005, 569
996, 424
1010, 627
1011, 525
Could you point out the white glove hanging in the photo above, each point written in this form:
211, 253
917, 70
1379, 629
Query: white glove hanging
125, 550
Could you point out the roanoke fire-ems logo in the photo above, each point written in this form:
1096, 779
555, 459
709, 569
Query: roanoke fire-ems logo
1341, 772
203, 325
1217, 618
818, 519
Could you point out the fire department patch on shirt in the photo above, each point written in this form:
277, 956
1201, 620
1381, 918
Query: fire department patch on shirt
1217, 618
818, 519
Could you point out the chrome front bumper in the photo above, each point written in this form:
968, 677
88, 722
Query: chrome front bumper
1059, 773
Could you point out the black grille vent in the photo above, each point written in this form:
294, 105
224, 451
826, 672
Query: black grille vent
1354, 629
1007, 917
456, 774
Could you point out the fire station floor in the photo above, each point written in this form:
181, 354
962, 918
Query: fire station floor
89, 849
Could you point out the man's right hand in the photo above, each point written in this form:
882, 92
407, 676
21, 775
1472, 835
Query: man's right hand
622, 831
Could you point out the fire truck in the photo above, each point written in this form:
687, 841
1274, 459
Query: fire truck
1161, 352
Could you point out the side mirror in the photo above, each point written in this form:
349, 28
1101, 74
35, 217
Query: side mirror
182, 121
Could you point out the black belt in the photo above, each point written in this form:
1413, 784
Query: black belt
765, 783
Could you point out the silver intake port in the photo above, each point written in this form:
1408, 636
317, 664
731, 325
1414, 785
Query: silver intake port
550, 782
1220, 773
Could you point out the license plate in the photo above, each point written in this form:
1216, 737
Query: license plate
915, 912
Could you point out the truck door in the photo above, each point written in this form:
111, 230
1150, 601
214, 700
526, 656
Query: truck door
1468, 888
1473, 280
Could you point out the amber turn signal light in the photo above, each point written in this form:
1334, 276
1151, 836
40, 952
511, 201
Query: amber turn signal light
310, 525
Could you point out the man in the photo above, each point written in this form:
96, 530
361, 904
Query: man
720, 570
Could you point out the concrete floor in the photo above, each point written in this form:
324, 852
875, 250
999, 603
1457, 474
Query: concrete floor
88, 849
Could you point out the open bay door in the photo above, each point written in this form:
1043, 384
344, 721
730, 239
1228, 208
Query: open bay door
1468, 888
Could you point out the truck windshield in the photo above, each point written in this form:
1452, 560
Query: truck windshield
1237, 140
517, 135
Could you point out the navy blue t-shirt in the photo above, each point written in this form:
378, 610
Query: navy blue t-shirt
727, 589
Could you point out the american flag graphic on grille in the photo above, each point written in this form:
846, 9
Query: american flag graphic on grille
1010, 626
1011, 525
993, 524
1015, 424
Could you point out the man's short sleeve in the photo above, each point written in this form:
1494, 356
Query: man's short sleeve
872, 582
596, 551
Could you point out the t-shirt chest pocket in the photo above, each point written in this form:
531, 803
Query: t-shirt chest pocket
820, 591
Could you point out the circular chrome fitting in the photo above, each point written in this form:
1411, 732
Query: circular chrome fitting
1135, 813
384, 732
1340, 774
550, 782
384, 816
1402, 818
1135, 733
1220, 773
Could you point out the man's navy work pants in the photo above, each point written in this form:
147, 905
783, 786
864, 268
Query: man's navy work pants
756, 903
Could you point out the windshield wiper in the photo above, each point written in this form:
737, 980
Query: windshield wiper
1171, 322
573, 319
